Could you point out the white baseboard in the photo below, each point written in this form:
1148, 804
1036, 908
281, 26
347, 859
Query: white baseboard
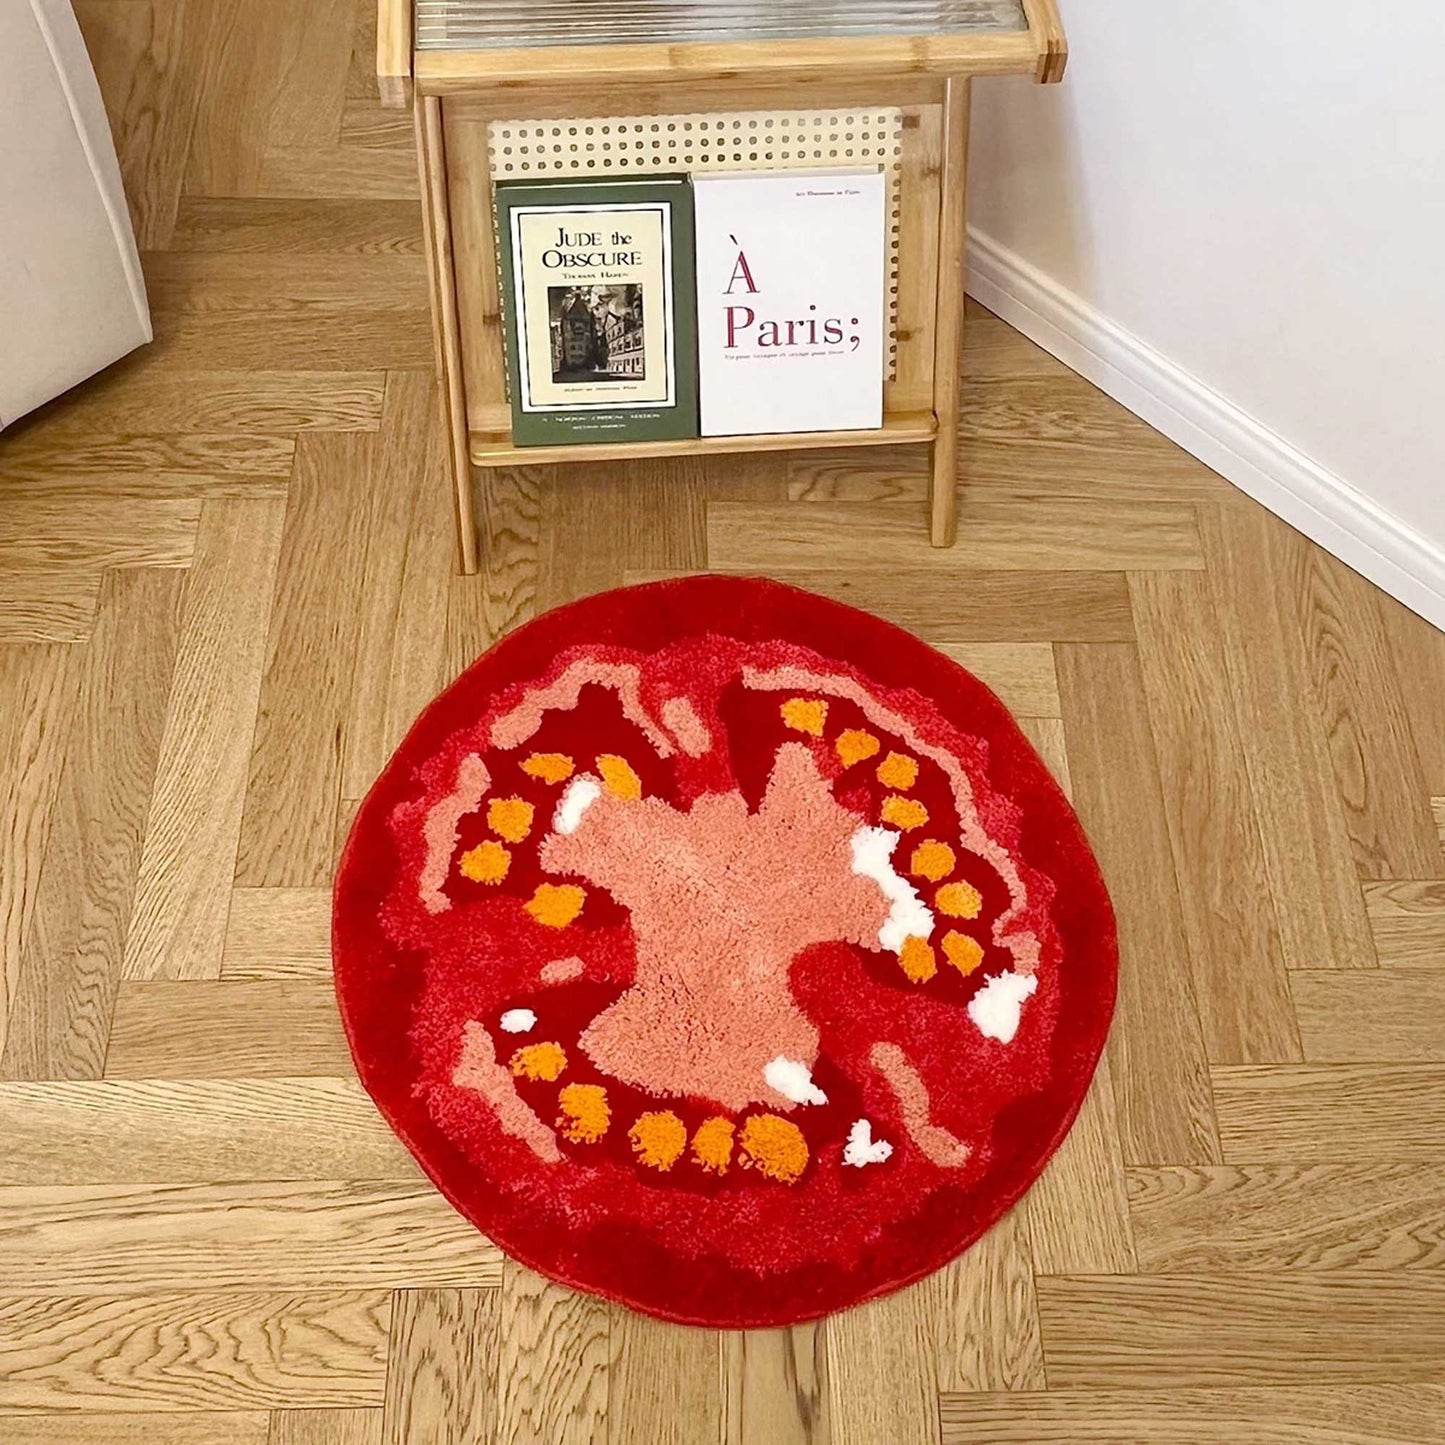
1260, 462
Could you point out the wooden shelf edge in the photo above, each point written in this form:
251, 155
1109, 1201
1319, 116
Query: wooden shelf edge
493, 451
1047, 31
999, 52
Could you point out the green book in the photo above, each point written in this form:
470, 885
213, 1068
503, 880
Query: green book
598, 291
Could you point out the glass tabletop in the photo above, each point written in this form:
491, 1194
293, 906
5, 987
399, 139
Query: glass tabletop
527, 24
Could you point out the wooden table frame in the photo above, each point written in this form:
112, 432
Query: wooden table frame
455, 95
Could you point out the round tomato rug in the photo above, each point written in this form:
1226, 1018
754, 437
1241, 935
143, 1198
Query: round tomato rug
724, 951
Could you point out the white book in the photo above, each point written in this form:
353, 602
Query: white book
790, 301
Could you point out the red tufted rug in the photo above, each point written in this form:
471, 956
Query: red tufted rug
724, 951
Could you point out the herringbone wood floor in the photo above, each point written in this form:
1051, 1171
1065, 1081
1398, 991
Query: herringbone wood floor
225, 587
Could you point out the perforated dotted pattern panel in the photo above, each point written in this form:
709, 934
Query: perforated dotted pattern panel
763, 140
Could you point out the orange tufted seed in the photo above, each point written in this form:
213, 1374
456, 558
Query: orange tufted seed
549, 767
856, 746
805, 715
963, 952
932, 860
556, 904
898, 770
510, 818
658, 1139
618, 777
486, 863
712, 1145
904, 812
585, 1116
917, 960
539, 1061
958, 900
774, 1147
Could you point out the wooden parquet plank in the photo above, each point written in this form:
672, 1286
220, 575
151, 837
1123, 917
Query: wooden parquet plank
401, 647
584, 544
59, 537
1331, 1414
149, 399
239, 1350
986, 1326
1397, 1014
325, 1427
1025, 419
554, 1348
594, 534
1301, 817
361, 74
666, 508
482, 608
147, 62
1322, 1113
41, 607
1061, 408
296, 758
104, 1240
345, 819
312, 226
190, 1427
1194, 1331
1047, 736
1418, 652
857, 474
41, 685
775, 1386
60, 462
1078, 1211
747, 477
994, 351
310, 83
361, 338
1407, 921
973, 607
1241, 990
1063, 470
248, 76
227, 1028
441, 1368
1283, 1217
999, 533
1359, 701
189, 1131
278, 933
880, 1371
1021, 673
343, 171
184, 283
70, 965
1160, 1076
664, 1383
366, 122
178, 923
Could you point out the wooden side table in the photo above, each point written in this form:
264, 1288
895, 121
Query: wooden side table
545, 87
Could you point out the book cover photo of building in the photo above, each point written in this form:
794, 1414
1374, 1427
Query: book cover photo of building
597, 333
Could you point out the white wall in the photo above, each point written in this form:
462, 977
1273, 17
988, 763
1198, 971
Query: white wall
1232, 215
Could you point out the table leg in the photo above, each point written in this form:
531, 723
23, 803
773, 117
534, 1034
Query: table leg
948, 335
437, 222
